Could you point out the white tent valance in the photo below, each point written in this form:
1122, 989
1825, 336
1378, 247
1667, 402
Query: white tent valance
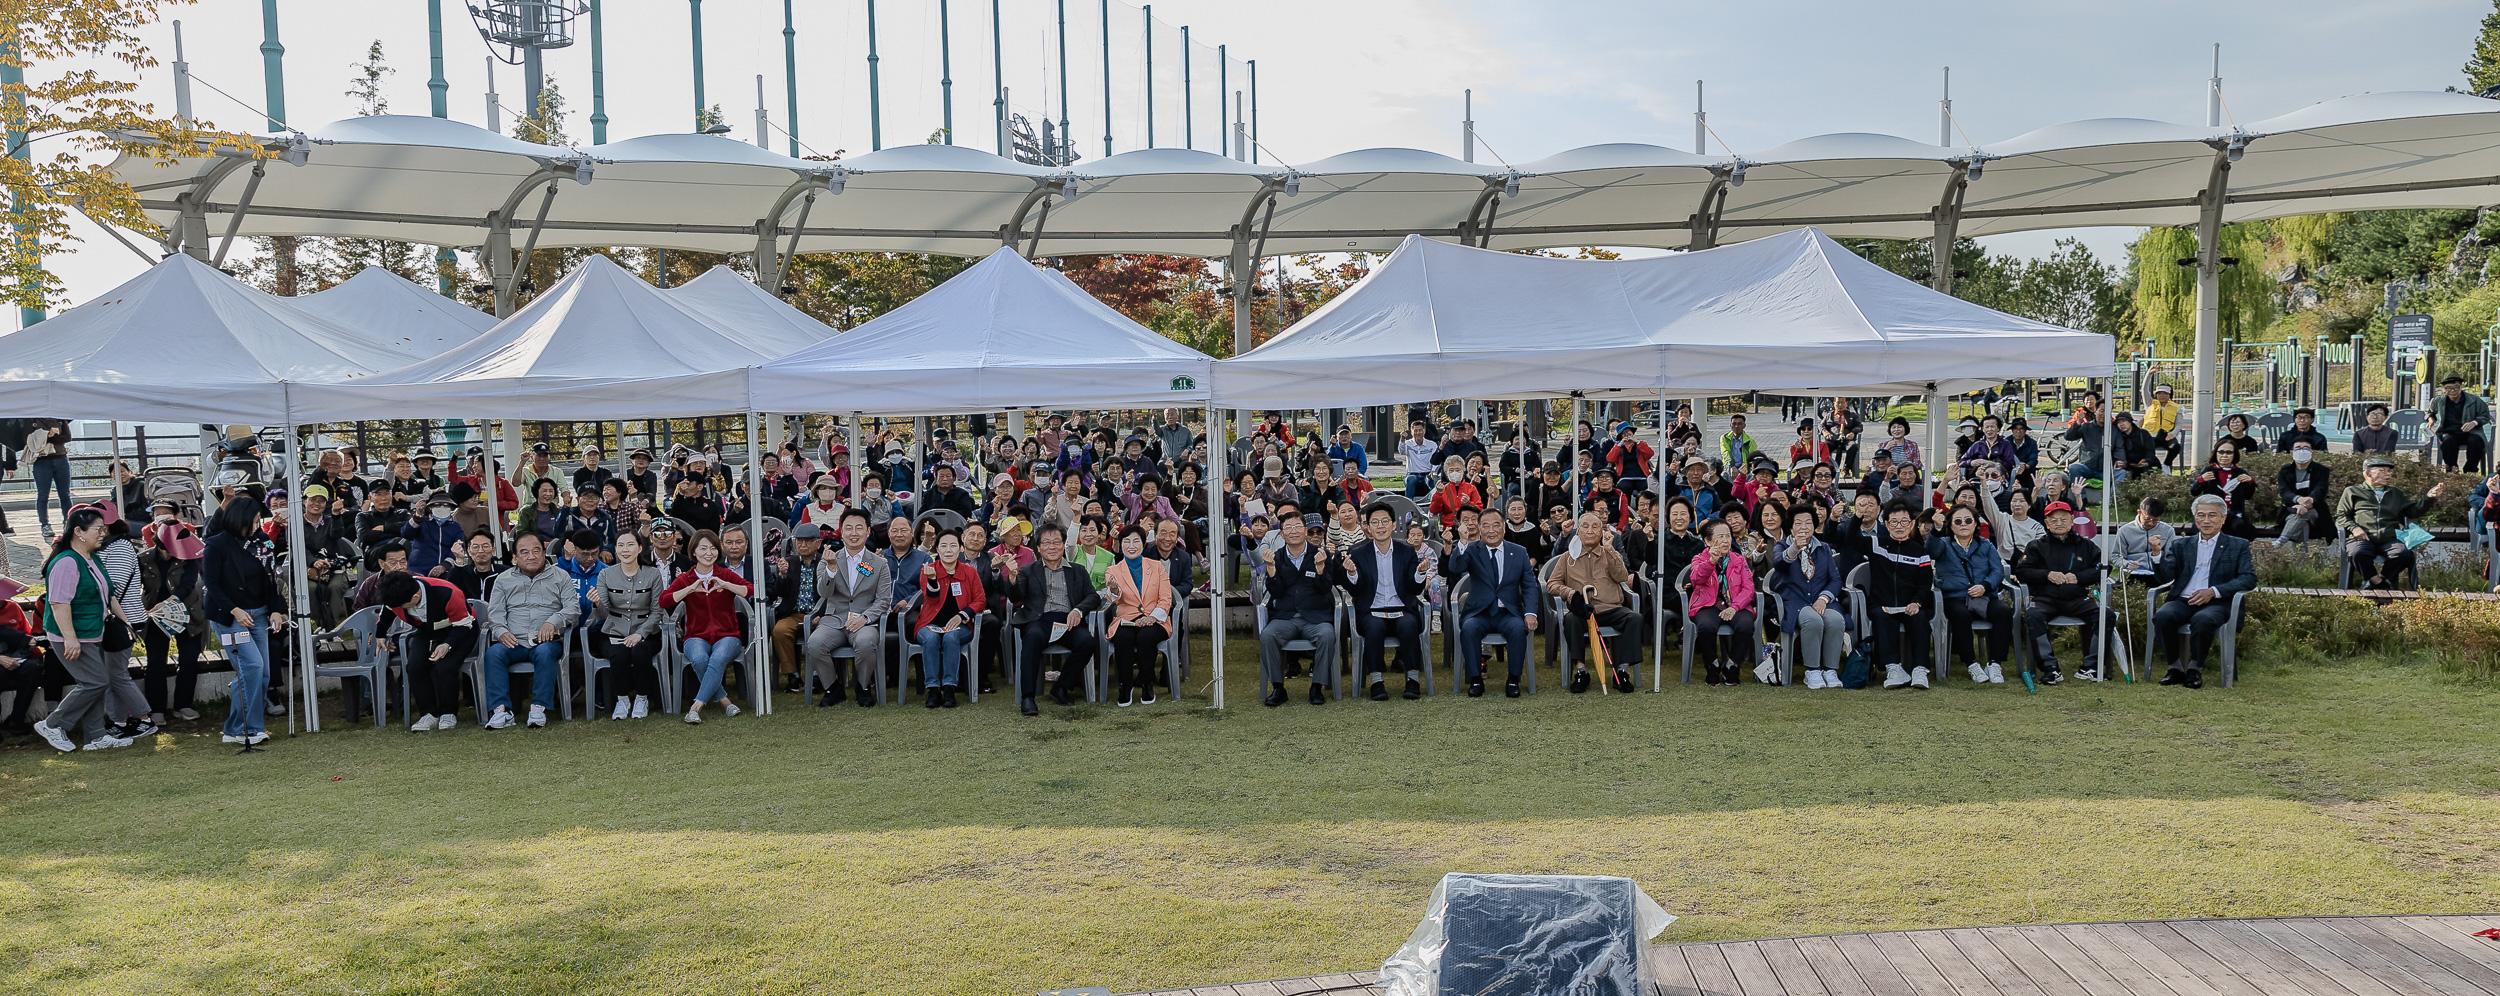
182, 342
1794, 313
1003, 334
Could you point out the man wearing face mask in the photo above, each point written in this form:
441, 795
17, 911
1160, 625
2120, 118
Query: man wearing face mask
2303, 486
433, 538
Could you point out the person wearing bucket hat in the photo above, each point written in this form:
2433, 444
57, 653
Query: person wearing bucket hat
176, 627
2062, 569
2459, 417
433, 538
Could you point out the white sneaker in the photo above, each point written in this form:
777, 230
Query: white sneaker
1918, 678
729, 708
256, 739
623, 706
1831, 678
642, 706
449, 720
1814, 677
695, 715
1996, 673
424, 724
106, 741
60, 740
1895, 677
500, 720
232, 738
1978, 674
538, 717
186, 714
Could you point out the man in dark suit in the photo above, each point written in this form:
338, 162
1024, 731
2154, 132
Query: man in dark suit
1387, 582
1501, 598
2204, 571
1052, 592
1301, 605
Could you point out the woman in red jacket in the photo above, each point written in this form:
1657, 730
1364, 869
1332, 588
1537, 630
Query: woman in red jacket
1454, 493
710, 593
1720, 591
950, 599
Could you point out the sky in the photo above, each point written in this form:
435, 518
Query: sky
1348, 74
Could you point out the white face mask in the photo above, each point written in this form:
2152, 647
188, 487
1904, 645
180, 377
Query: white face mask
442, 513
2300, 454
871, 493
1451, 474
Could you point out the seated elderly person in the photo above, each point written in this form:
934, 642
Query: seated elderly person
2204, 572
535, 604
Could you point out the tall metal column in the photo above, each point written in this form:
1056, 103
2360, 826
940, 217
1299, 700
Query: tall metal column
2209, 299
998, 82
1066, 137
876, 121
1223, 85
272, 66
1254, 110
437, 86
946, 72
1106, 77
598, 76
1150, 76
695, 11
1189, 117
789, 73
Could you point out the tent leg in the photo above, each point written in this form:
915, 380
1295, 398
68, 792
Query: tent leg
1215, 540
298, 580
1657, 593
1571, 458
757, 607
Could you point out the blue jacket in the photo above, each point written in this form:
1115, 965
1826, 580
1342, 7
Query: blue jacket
1498, 576
430, 542
2232, 571
585, 577
1957, 570
1789, 582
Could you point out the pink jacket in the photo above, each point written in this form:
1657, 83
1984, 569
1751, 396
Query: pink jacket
1703, 585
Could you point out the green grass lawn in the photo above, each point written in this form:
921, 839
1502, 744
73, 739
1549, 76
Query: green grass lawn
898, 850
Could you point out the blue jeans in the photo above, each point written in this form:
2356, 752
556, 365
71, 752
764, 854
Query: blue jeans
543, 660
710, 661
248, 697
942, 655
51, 476
2078, 472
1418, 485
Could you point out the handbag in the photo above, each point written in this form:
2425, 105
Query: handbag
1856, 670
2412, 536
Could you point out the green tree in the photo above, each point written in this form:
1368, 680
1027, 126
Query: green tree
366, 83
2482, 69
2165, 291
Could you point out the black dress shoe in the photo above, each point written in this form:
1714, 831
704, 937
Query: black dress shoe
833, 696
2173, 676
865, 696
1059, 694
932, 702
2195, 678
1414, 689
1026, 704
1475, 689
790, 682
1275, 695
1511, 689
1580, 680
988, 689
1623, 678
1293, 669
1380, 691
1318, 697
946, 697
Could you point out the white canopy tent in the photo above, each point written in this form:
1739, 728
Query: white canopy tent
388, 307
1795, 313
1003, 334
182, 342
600, 344
726, 298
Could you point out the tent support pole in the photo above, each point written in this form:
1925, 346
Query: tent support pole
760, 626
1658, 595
1706, 215
1013, 231
1938, 412
850, 432
772, 263
234, 221
1475, 212
1571, 458
299, 602
1948, 224
2209, 298
1215, 540
2109, 486
1237, 273
490, 481
191, 229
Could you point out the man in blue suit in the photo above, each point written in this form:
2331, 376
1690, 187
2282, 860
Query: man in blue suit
1501, 598
2204, 571
1387, 582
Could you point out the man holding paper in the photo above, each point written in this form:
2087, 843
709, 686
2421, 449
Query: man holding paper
1051, 600
854, 591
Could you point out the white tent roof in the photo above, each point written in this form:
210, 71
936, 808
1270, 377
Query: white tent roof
181, 342
1003, 334
1794, 313
388, 307
726, 298
432, 181
600, 344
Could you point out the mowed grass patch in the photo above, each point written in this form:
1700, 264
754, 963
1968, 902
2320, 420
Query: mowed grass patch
973, 851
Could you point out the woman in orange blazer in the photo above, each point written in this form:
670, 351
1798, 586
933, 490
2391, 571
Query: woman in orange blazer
1141, 615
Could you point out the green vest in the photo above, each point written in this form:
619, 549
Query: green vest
86, 608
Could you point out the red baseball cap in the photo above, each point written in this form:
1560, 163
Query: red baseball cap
2058, 506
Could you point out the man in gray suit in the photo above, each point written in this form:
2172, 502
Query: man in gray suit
853, 594
2204, 569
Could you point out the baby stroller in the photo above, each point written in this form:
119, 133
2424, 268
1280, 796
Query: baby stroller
181, 485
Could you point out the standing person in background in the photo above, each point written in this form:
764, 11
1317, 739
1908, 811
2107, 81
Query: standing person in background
1417, 451
47, 451
243, 609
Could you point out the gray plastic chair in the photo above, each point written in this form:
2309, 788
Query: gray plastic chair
1093, 667
2229, 638
365, 628
1766, 620
1450, 638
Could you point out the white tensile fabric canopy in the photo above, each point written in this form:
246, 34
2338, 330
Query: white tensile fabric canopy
181, 342
387, 307
726, 298
439, 182
1794, 313
1002, 334
600, 344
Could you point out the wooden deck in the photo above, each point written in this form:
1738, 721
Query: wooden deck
2292, 956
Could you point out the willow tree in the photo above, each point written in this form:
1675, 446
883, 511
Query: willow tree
2165, 290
